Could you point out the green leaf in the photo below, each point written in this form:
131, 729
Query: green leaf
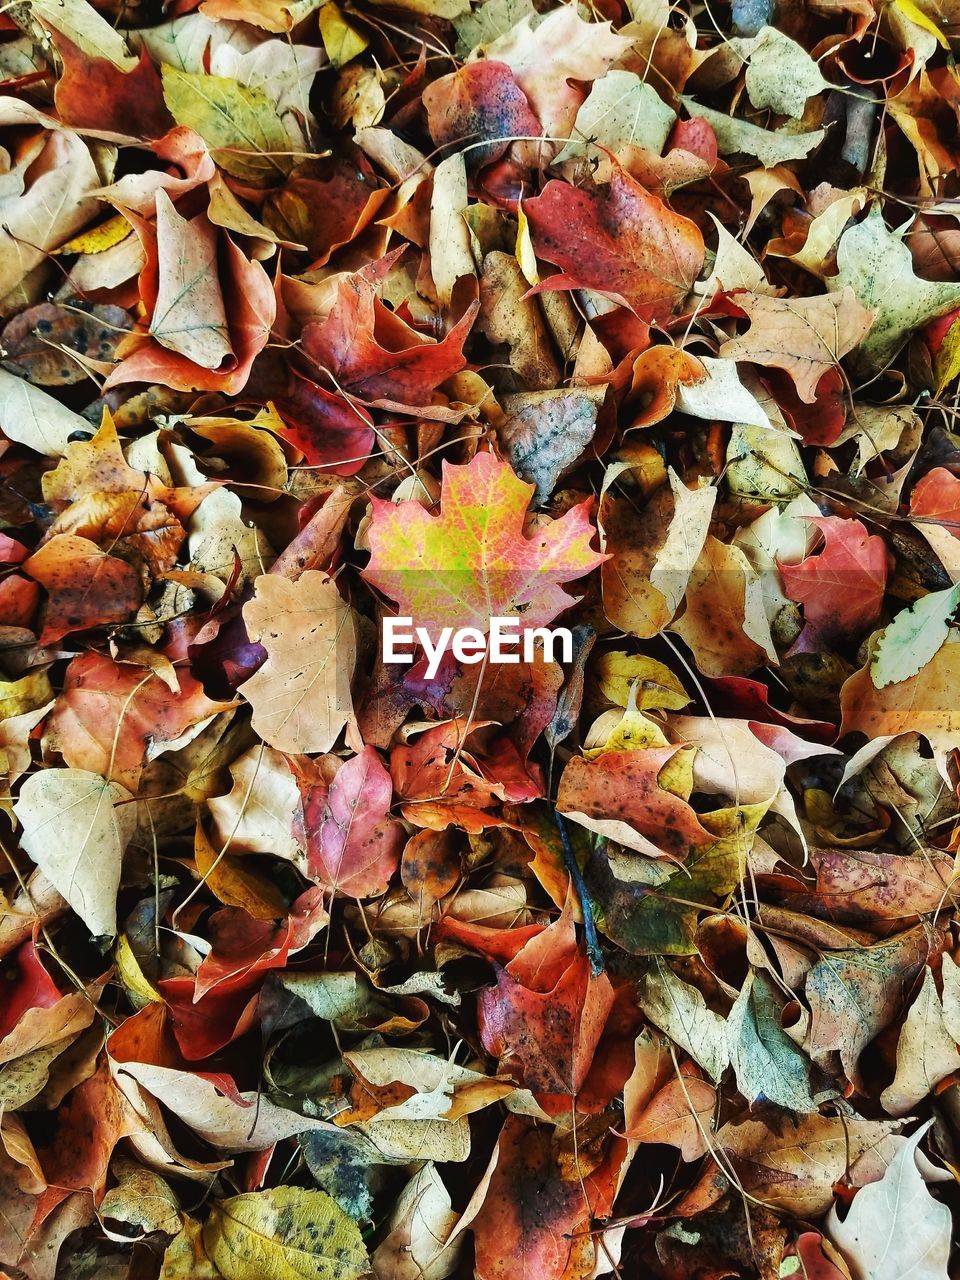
915, 635
780, 74
284, 1234
878, 266
681, 1012
765, 1060
488, 21
240, 125
771, 147
649, 906
620, 111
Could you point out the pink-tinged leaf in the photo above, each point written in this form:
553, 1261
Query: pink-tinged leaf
937, 497
841, 587
482, 100
353, 843
478, 558
619, 240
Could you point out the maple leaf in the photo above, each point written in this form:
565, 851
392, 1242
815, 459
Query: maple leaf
95, 93
476, 560
649, 817
547, 1011
805, 336
854, 994
619, 240
85, 586
546, 57
842, 587
110, 715
369, 352
876, 265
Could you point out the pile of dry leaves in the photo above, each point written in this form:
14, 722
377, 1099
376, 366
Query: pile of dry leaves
635, 958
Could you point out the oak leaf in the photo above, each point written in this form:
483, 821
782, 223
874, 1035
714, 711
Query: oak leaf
301, 695
805, 336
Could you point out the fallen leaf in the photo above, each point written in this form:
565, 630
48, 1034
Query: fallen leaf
805, 336
482, 562
276, 1233
301, 694
239, 124
895, 1228
876, 265
619, 240
353, 846
94, 822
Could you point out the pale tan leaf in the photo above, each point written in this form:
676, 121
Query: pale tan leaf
301, 695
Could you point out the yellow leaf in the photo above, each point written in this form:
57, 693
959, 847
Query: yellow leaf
229, 880
99, 238
284, 1234
26, 694
341, 40
657, 686
946, 364
916, 15
185, 1258
524, 251
132, 976
241, 125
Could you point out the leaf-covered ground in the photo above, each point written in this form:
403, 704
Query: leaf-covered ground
641, 320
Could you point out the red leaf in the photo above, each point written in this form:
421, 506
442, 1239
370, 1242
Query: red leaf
619, 240
937, 497
109, 714
530, 1214
353, 844
482, 100
623, 786
26, 985
332, 432
93, 93
85, 586
369, 352
547, 1011
841, 588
